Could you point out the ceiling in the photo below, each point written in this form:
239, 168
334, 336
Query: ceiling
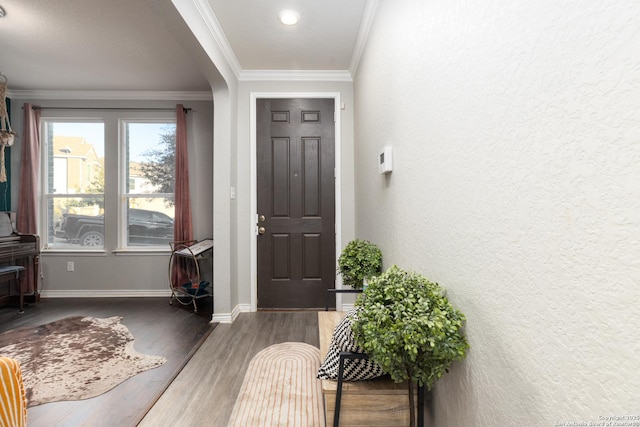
144, 45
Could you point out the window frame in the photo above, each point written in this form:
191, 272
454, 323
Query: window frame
47, 224
115, 195
123, 179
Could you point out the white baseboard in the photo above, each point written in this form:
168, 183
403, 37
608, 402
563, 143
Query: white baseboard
221, 318
346, 307
230, 317
243, 308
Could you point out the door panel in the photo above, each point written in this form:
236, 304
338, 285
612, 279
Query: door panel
296, 195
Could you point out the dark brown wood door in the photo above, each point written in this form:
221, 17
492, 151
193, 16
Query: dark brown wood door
296, 202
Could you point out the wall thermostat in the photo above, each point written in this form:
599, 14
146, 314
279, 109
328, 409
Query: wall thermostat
385, 160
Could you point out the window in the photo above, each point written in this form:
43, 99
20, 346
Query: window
74, 183
83, 208
149, 175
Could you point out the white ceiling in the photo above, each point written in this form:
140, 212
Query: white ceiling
143, 45
323, 39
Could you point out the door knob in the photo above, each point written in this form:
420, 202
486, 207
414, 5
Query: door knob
261, 230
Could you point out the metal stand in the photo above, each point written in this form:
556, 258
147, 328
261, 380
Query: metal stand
181, 251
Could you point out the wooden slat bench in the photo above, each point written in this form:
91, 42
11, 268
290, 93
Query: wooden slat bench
378, 402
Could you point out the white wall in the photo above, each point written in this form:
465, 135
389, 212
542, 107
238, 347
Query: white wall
516, 185
215, 64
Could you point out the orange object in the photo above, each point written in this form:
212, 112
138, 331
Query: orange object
13, 397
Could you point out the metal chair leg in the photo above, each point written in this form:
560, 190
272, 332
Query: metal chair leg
421, 406
344, 355
336, 411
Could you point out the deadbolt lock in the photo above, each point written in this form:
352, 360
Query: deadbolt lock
261, 218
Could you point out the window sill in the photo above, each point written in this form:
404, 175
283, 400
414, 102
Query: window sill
142, 251
103, 252
74, 252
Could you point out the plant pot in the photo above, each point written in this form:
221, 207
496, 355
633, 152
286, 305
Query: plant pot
7, 138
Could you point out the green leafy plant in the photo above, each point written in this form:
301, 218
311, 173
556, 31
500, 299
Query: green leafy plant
359, 260
409, 328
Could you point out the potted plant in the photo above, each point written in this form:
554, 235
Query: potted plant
359, 260
407, 325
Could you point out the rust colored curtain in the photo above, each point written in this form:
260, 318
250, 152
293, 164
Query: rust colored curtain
182, 225
26, 221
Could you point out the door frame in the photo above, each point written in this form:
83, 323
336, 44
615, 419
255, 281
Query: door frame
254, 174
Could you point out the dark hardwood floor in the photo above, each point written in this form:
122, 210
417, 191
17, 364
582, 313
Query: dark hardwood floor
174, 332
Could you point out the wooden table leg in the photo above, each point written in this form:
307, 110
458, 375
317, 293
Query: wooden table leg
20, 280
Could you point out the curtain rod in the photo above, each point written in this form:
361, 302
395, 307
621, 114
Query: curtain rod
35, 107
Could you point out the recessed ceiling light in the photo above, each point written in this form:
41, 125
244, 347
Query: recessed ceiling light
289, 17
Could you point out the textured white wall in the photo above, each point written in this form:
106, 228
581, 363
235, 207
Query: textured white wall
516, 185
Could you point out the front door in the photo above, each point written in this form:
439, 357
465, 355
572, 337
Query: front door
296, 202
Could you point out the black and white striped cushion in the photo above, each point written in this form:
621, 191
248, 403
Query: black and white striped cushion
343, 340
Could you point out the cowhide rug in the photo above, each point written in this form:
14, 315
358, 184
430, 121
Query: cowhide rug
74, 358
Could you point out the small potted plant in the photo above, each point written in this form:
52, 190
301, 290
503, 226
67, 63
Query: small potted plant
359, 260
407, 326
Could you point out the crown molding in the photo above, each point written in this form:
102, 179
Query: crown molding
136, 95
363, 35
296, 75
215, 29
